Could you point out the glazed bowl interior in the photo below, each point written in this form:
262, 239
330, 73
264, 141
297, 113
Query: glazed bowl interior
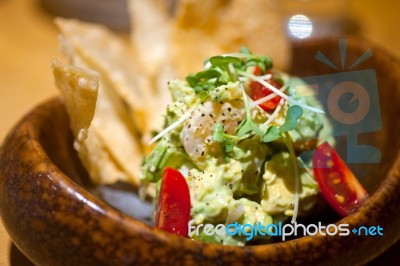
121, 234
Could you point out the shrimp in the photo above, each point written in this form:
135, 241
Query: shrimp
198, 129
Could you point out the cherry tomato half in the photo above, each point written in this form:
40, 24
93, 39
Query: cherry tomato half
259, 91
173, 210
337, 183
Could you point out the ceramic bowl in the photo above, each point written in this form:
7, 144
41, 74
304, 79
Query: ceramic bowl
55, 217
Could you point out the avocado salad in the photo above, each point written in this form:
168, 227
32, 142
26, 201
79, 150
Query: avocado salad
237, 132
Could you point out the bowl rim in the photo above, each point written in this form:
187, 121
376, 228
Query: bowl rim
389, 186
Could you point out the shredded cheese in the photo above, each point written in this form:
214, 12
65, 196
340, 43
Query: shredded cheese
231, 68
274, 114
171, 127
278, 92
266, 98
264, 83
310, 108
266, 76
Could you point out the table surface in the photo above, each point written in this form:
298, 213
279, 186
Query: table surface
28, 41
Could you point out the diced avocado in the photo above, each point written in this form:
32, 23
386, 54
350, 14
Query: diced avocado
278, 196
164, 154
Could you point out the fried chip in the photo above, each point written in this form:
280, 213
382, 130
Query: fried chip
199, 29
172, 41
86, 106
204, 28
151, 26
79, 88
104, 52
112, 151
116, 139
99, 162
150, 21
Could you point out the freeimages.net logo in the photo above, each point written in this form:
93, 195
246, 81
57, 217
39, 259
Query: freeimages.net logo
351, 102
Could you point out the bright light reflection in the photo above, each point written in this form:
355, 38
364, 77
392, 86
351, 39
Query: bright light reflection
300, 26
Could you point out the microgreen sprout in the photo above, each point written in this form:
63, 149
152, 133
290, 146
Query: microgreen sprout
171, 127
293, 114
247, 125
227, 141
289, 145
221, 69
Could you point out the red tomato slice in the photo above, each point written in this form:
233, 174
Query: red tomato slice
258, 91
173, 210
337, 183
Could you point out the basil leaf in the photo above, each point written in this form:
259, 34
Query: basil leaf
292, 116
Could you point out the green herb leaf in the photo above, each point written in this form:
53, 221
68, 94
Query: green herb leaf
223, 61
261, 61
205, 80
154, 133
227, 141
229, 145
218, 135
272, 133
203, 95
292, 116
208, 74
247, 126
192, 80
267, 62
244, 50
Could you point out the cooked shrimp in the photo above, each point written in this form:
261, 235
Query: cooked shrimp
196, 135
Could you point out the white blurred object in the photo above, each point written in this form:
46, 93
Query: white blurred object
317, 18
300, 26
112, 13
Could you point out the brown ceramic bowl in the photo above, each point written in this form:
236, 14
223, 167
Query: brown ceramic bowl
51, 215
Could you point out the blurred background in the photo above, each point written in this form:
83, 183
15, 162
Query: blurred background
28, 42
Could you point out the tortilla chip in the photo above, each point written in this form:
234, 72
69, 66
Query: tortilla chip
111, 152
150, 21
89, 110
104, 52
99, 162
205, 28
172, 43
79, 88
117, 140
151, 26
